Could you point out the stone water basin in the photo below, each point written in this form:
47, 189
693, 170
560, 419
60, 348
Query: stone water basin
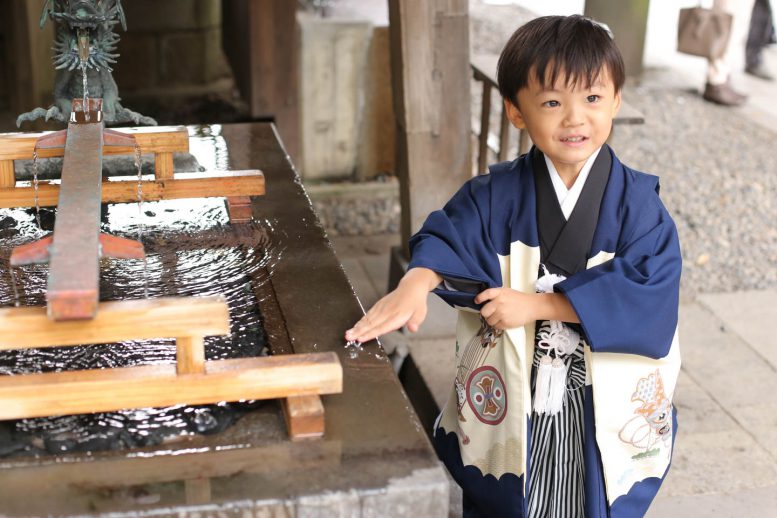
375, 460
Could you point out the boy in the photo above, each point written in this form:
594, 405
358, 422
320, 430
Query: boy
561, 405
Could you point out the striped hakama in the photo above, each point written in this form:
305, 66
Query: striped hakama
557, 470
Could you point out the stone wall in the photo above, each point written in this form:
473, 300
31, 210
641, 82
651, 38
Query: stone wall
169, 44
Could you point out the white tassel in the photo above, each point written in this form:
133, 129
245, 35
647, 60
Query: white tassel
542, 387
558, 386
545, 283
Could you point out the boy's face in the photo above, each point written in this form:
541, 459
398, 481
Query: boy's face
567, 123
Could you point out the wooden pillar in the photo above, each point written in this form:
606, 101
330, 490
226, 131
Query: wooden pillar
628, 23
431, 83
261, 41
31, 74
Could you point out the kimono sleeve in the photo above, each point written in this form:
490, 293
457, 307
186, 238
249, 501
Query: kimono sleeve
630, 303
456, 243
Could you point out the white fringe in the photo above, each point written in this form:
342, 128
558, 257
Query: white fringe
558, 387
542, 390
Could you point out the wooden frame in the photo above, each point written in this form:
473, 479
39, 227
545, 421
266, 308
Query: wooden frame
300, 378
236, 186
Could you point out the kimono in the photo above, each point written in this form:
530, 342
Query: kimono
625, 290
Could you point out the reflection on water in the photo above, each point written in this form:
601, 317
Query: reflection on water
192, 251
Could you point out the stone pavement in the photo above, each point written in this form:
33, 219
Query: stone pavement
725, 461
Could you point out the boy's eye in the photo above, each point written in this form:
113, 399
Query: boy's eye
551, 104
592, 98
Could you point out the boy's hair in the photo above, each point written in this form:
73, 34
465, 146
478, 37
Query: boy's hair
552, 45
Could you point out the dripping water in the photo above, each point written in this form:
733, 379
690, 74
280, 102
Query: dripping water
35, 183
141, 225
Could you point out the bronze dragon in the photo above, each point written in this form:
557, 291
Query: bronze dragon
85, 41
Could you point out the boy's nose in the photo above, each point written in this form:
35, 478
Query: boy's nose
573, 117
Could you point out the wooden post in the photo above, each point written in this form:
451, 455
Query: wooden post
485, 122
261, 43
190, 354
431, 84
304, 417
628, 22
7, 176
31, 74
163, 166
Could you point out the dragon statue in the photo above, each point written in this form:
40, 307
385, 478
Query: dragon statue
85, 47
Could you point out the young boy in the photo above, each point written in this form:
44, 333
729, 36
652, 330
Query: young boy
566, 268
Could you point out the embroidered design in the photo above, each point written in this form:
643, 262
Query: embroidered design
486, 395
653, 422
473, 357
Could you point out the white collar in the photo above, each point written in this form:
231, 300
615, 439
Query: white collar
567, 198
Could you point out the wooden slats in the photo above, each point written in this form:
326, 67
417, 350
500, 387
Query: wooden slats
7, 178
29, 327
158, 139
125, 189
106, 390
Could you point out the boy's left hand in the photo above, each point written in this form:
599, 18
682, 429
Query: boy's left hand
506, 308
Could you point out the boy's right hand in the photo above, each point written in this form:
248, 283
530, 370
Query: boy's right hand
406, 305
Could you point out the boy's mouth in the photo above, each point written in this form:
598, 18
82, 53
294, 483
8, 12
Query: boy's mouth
574, 139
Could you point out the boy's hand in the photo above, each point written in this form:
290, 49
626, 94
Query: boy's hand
506, 308
406, 305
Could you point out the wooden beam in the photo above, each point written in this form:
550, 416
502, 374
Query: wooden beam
430, 73
107, 390
29, 327
125, 189
240, 209
158, 139
261, 42
485, 122
304, 417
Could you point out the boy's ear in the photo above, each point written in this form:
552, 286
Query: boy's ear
514, 114
616, 105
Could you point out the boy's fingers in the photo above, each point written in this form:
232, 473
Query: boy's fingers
488, 310
373, 327
485, 295
416, 320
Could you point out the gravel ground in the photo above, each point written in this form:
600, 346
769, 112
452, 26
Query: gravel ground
718, 180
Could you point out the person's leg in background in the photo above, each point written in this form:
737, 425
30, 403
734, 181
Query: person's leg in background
760, 34
718, 88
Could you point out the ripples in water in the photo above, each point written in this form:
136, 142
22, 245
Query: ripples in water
192, 250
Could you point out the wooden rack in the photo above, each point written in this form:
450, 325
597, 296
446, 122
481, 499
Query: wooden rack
298, 379
235, 186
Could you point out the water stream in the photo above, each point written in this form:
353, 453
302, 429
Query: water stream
141, 224
85, 106
35, 183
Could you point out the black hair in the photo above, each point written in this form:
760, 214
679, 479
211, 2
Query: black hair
552, 45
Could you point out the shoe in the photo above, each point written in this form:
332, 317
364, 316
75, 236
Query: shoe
723, 94
760, 71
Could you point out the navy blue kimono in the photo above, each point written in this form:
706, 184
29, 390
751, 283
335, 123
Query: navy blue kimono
626, 296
